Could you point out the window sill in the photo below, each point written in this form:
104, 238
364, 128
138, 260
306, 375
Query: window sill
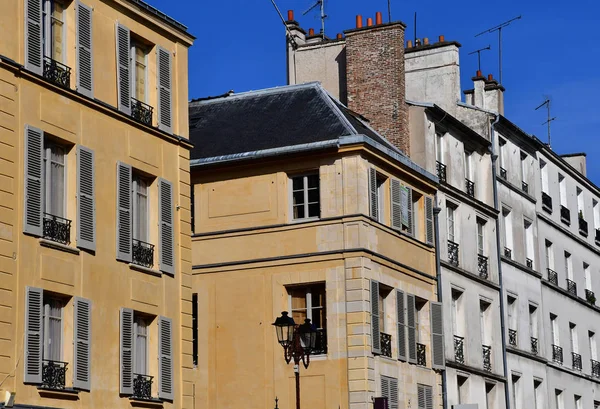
304, 220
58, 246
148, 403
146, 270
66, 393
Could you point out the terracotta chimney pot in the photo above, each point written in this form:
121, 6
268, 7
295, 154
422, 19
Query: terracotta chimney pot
490, 77
479, 74
426, 41
409, 44
378, 18
290, 15
359, 21
311, 31
441, 39
340, 36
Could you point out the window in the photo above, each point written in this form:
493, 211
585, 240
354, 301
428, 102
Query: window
538, 394
588, 276
524, 167
425, 396
515, 391
139, 72
483, 321
457, 319
53, 329
305, 197
568, 265
529, 243
309, 302
389, 390
549, 255
502, 147
554, 329
450, 211
140, 348
462, 385
480, 237
490, 395
578, 403
439, 146
533, 324
468, 166
580, 204
593, 346
380, 199
54, 179
512, 312
140, 208
507, 224
560, 404
562, 190
544, 175
596, 209
54, 29
573, 336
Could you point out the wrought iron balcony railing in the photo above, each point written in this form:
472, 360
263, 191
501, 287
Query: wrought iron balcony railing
590, 296
453, 252
487, 357
503, 173
576, 361
512, 337
565, 215
482, 266
54, 374
141, 112
552, 276
507, 252
534, 346
557, 354
459, 349
595, 368
583, 227
441, 171
421, 356
546, 202
321, 343
525, 187
143, 253
470, 187
142, 386
529, 263
56, 72
386, 345
571, 287
57, 228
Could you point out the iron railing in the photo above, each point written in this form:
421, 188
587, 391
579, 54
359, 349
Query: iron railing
507, 252
421, 356
571, 287
487, 357
142, 386
441, 171
546, 202
503, 173
534, 346
321, 343
57, 228
141, 112
583, 227
57, 73
143, 253
470, 187
482, 266
453, 252
552, 276
590, 296
525, 187
595, 368
565, 215
512, 337
529, 263
54, 374
576, 361
459, 349
386, 345
557, 354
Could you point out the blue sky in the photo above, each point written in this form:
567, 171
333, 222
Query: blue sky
552, 51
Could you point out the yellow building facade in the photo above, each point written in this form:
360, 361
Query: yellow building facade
95, 256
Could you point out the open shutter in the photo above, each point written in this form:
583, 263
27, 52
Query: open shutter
437, 336
165, 222
124, 228
393, 401
34, 162
375, 331
165, 358
429, 220
34, 343
396, 205
86, 202
409, 209
411, 327
373, 205
401, 325
123, 69
82, 337
34, 55
165, 114
85, 82
126, 352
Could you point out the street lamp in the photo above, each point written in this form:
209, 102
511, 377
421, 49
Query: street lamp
298, 341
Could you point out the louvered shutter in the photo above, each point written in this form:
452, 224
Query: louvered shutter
126, 351
411, 222
396, 205
375, 331
82, 337
373, 202
165, 221
428, 397
385, 390
124, 203
165, 358
164, 71
393, 396
86, 201
85, 82
123, 69
34, 54
34, 307
401, 325
429, 220
421, 400
33, 219
437, 336
411, 328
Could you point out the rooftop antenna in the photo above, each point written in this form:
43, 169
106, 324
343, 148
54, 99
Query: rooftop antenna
499, 28
389, 11
290, 36
479, 56
550, 119
415, 39
321, 5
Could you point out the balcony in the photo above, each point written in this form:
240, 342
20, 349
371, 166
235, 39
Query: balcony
470, 187
459, 349
503, 173
583, 227
576, 361
590, 296
487, 358
421, 357
529, 263
453, 253
320, 344
525, 187
482, 266
552, 276
386, 345
595, 368
441, 171
57, 228
546, 202
534, 346
142, 387
57, 73
572, 287
565, 215
512, 337
141, 112
143, 253
557, 354
54, 374
507, 252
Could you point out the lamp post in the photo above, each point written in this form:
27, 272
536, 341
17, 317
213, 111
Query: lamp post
297, 341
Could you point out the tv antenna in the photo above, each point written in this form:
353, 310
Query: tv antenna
287, 29
321, 5
479, 56
550, 119
499, 28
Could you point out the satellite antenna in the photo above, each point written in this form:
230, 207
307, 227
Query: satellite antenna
321, 5
499, 28
479, 56
550, 119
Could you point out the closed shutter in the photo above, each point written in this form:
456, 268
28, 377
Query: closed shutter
123, 69
86, 201
34, 162
411, 222
34, 307
396, 204
126, 351
411, 327
165, 221
401, 325
373, 202
385, 390
165, 358
82, 332
429, 220
34, 55
375, 334
124, 228
428, 397
437, 336
85, 82
421, 396
165, 114
393, 396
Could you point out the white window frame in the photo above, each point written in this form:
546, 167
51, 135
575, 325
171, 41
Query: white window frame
451, 222
47, 18
508, 230
46, 328
580, 202
593, 345
305, 189
554, 329
134, 44
483, 318
562, 190
469, 166
569, 265
439, 147
588, 276
529, 242
549, 254
380, 198
560, 403
512, 311
48, 185
544, 175
480, 236
538, 395
137, 319
596, 210
309, 307
523, 157
501, 145
135, 181
515, 387
573, 337
533, 321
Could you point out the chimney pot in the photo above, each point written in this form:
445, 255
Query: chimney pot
490, 77
340, 36
409, 44
290, 15
441, 39
359, 21
426, 41
311, 31
479, 74
417, 42
378, 18
369, 22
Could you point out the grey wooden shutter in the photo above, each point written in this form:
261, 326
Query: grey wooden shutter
401, 325
82, 337
373, 197
86, 201
85, 82
385, 388
375, 330
411, 222
165, 222
124, 205
165, 114
126, 351
123, 69
428, 397
34, 307
429, 220
396, 205
165, 358
437, 336
393, 394
411, 327
34, 53
421, 400
33, 219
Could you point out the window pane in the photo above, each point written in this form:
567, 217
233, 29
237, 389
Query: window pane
57, 31
313, 181
140, 73
313, 210
299, 317
141, 209
313, 195
56, 186
299, 212
53, 330
298, 197
298, 183
298, 298
141, 346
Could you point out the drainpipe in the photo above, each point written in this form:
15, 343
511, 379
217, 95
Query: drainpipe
498, 252
436, 228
